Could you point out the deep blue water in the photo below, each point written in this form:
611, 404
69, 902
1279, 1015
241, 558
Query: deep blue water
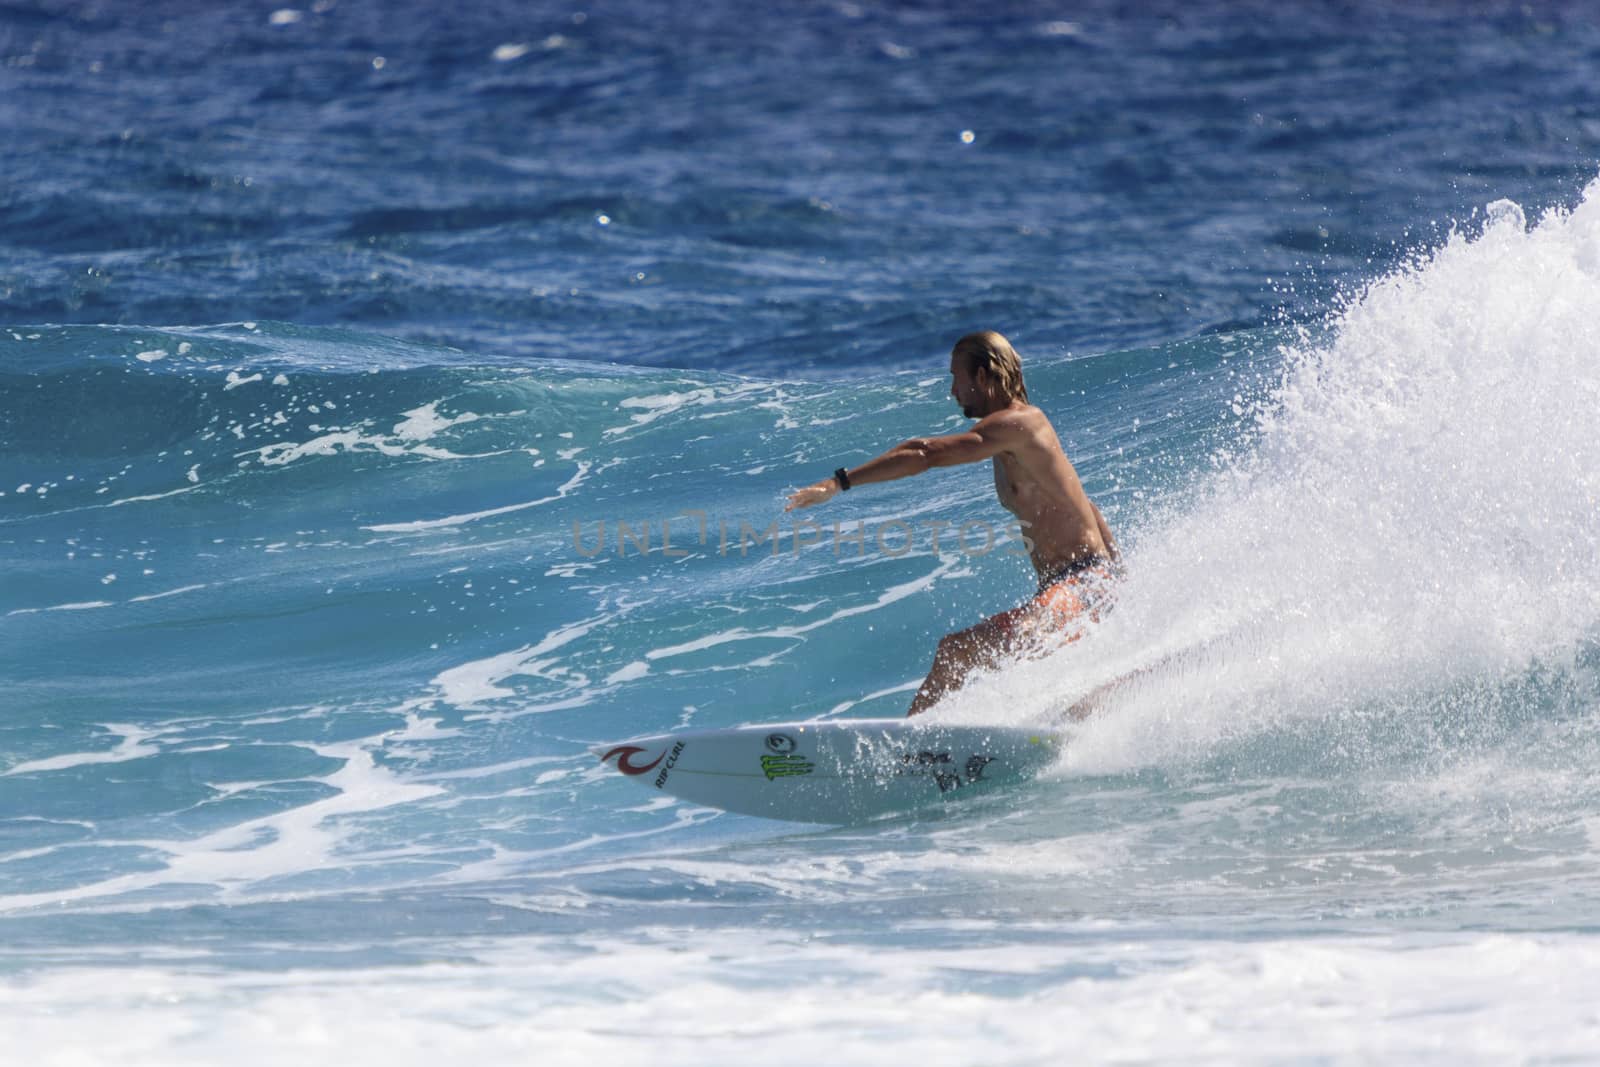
333, 340
787, 187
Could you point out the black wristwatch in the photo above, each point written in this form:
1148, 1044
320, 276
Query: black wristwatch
842, 478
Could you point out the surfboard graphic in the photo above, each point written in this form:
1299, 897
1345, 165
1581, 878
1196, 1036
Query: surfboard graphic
839, 771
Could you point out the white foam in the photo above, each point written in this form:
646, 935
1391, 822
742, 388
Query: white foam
81, 605
152, 496
654, 406
488, 770
891, 595
893, 690
1413, 508
419, 525
631, 672
662, 995
232, 860
133, 744
476, 683
422, 423
283, 453
163, 595
420, 728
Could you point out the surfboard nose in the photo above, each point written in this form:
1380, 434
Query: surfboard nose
636, 757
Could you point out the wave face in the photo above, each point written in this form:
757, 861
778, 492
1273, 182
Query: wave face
494, 339
296, 612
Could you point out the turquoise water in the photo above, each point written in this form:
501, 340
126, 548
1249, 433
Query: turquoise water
342, 508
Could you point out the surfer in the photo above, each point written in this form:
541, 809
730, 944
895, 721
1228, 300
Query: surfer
1067, 538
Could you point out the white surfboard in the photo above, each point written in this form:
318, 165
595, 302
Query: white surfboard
838, 771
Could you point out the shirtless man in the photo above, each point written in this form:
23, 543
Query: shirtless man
1071, 546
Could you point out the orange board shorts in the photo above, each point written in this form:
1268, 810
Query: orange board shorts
1078, 592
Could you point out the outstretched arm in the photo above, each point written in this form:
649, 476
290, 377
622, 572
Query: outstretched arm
983, 441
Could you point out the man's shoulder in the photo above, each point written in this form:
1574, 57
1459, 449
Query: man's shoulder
1021, 419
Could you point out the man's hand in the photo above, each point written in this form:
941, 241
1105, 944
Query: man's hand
815, 493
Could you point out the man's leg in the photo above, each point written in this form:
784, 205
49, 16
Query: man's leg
1090, 704
959, 655
1046, 621
1095, 699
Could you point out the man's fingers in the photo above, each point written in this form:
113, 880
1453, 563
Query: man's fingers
811, 494
803, 498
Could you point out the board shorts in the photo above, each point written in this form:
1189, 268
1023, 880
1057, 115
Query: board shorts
1067, 598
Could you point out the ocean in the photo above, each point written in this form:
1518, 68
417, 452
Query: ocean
396, 401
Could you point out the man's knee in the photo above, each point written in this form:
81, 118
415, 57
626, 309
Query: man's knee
981, 639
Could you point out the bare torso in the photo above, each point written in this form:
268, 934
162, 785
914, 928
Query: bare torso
1037, 483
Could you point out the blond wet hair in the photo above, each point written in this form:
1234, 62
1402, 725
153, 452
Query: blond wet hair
990, 351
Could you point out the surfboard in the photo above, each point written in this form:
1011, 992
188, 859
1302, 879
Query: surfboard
838, 771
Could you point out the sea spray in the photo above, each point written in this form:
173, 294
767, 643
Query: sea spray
1410, 531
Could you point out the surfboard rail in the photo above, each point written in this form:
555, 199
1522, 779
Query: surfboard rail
835, 771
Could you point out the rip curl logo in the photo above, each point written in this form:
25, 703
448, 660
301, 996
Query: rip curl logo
782, 744
625, 764
785, 766
672, 760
